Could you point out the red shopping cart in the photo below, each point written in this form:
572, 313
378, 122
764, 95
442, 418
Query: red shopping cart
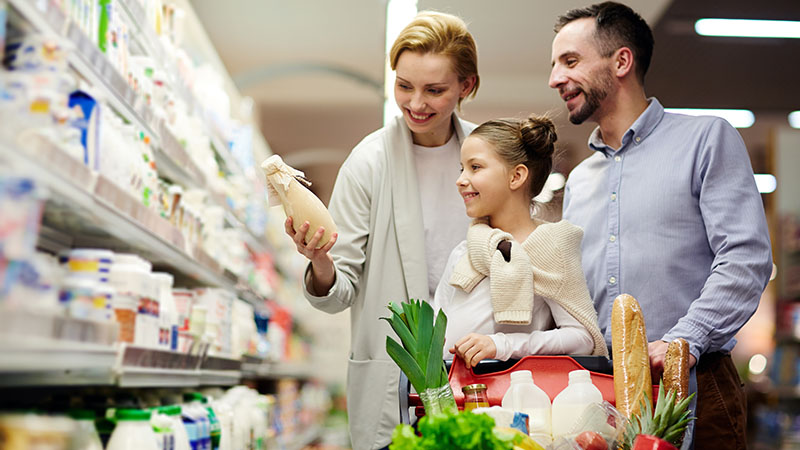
551, 374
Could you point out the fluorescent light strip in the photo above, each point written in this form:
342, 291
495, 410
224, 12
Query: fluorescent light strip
794, 119
739, 118
766, 182
748, 28
398, 14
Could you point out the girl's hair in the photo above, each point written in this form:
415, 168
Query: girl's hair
529, 142
440, 34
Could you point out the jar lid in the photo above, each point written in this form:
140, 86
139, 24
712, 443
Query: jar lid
473, 387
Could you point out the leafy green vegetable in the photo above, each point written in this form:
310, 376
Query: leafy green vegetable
463, 431
422, 338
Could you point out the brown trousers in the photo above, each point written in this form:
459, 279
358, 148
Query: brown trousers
721, 404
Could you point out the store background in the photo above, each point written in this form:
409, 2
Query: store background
308, 75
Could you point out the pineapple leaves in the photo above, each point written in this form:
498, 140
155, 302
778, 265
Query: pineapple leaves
668, 421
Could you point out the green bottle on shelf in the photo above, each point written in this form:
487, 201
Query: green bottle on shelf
102, 23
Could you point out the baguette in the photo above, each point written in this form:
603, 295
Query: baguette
676, 369
632, 382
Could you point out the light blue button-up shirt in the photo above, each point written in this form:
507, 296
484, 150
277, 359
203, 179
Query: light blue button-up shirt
674, 218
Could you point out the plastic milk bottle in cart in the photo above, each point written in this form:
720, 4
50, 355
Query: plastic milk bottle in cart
524, 396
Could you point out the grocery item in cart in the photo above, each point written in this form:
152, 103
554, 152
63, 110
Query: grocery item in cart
299, 203
475, 396
630, 356
676, 368
572, 402
524, 396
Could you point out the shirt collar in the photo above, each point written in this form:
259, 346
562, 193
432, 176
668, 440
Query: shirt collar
638, 132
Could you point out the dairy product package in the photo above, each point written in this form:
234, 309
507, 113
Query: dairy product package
298, 202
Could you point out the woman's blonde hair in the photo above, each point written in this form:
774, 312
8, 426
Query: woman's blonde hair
440, 34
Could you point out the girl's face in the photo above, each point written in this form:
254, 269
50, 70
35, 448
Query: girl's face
427, 90
484, 181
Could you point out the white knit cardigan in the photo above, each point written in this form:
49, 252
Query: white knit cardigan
555, 255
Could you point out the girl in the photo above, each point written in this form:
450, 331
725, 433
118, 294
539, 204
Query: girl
397, 214
515, 287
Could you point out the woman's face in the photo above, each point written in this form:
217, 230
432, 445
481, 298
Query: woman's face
483, 183
427, 90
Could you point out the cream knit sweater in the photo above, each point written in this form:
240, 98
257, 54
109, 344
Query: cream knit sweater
552, 269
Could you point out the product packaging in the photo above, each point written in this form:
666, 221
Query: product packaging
298, 202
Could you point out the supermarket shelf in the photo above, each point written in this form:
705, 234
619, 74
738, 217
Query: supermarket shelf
153, 377
269, 370
88, 60
49, 362
172, 160
92, 209
55, 363
147, 367
155, 49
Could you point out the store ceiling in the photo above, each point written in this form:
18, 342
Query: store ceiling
314, 67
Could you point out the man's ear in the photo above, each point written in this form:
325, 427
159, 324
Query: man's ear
518, 177
623, 62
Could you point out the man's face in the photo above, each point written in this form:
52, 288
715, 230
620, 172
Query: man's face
582, 76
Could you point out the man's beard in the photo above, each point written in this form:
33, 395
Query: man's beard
592, 98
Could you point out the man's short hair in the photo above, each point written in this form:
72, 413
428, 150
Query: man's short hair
616, 26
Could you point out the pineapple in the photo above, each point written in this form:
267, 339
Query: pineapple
667, 422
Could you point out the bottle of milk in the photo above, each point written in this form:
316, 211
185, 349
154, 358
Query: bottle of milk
524, 396
569, 404
133, 431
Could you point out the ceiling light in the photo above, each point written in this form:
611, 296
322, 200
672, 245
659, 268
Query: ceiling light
398, 14
794, 119
766, 182
748, 28
739, 118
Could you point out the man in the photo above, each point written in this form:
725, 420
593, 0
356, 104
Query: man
669, 207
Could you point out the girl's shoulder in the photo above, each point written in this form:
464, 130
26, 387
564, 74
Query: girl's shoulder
562, 236
561, 228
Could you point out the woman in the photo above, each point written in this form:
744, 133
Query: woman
397, 215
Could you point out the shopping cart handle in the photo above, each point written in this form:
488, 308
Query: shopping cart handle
599, 364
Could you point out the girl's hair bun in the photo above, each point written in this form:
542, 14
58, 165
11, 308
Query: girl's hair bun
538, 136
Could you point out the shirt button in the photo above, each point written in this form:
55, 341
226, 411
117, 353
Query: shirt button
612, 280
617, 158
612, 238
613, 197
638, 139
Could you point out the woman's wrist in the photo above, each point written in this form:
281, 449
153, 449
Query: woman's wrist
323, 275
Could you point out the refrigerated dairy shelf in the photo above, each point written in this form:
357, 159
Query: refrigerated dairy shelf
44, 362
283, 369
41, 362
49, 362
92, 210
172, 159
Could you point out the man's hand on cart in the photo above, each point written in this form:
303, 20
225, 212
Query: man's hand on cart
473, 348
